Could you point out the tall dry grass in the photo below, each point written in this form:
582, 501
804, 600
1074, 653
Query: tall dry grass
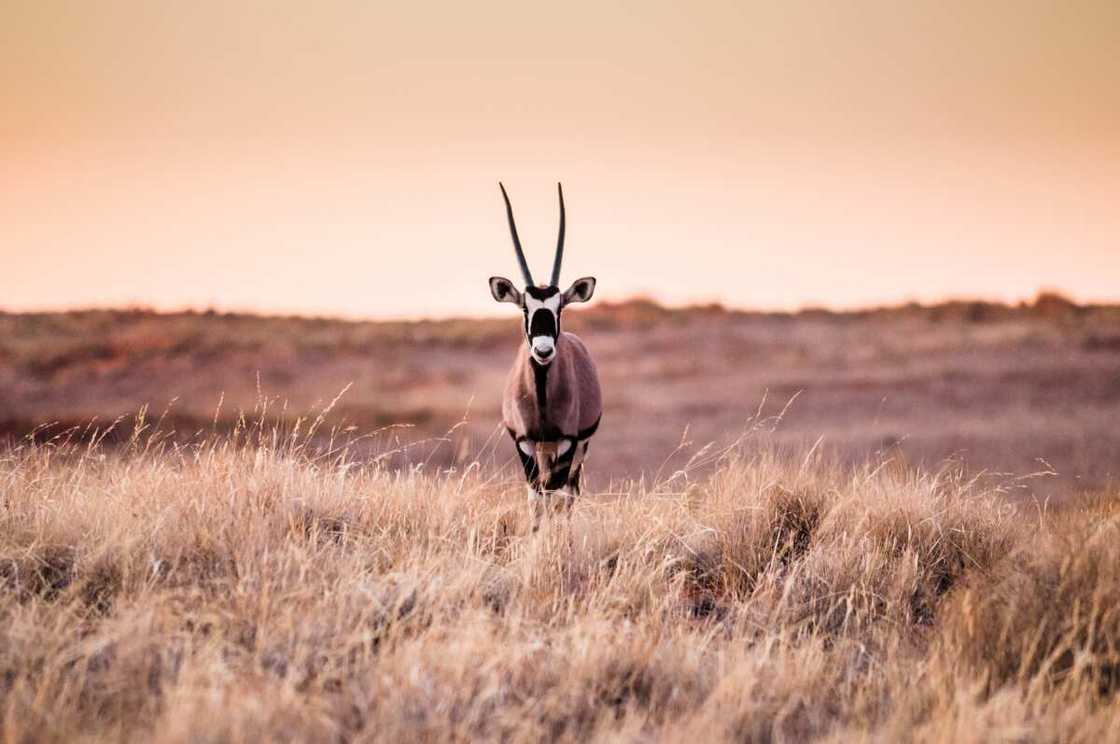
249, 588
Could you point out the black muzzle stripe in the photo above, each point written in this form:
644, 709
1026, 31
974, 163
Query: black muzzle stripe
543, 323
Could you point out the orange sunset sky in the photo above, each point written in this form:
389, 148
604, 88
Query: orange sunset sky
343, 157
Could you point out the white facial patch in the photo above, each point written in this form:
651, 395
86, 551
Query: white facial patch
532, 304
526, 447
543, 345
562, 450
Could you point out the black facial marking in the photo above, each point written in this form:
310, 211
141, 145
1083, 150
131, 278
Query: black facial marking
542, 293
543, 323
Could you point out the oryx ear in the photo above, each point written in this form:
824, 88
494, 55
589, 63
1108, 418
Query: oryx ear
581, 290
504, 291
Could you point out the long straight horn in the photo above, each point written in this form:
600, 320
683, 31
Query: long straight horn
516, 241
559, 241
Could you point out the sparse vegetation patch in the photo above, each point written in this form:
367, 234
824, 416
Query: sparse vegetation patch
247, 588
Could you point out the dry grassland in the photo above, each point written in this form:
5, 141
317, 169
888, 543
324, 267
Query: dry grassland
250, 586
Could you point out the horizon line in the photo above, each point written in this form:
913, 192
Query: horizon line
638, 298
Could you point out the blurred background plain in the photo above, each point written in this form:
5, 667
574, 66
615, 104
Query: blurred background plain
341, 159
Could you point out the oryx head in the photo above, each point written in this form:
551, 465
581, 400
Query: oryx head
541, 303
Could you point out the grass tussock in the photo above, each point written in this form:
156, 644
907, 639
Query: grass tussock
244, 588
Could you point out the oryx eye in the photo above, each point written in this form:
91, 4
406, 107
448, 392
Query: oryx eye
525, 446
565, 445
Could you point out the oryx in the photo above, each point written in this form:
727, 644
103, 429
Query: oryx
552, 404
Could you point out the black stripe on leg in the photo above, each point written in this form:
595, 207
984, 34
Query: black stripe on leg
562, 468
558, 478
528, 462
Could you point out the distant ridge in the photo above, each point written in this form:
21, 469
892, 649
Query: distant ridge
1046, 304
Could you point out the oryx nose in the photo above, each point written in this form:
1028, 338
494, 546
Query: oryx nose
543, 351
